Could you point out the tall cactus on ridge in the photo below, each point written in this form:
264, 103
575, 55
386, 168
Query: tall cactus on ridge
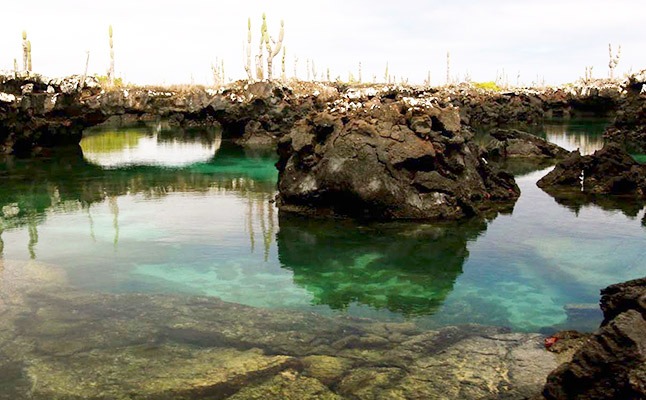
272, 52
612, 64
283, 75
260, 68
448, 68
29, 55
111, 71
25, 51
247, 66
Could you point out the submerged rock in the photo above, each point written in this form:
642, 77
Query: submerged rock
513, 143
612, 362
608, 171
386, 159
57, 342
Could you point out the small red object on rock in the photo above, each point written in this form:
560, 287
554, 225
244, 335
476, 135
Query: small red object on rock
549, 342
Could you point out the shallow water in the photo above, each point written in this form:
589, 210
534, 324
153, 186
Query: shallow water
155, 211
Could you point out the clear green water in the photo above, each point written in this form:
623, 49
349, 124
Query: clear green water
148, 213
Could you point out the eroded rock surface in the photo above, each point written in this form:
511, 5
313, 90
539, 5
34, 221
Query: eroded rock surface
402, 159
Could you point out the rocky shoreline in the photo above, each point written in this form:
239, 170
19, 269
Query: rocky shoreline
31, 105
611, 363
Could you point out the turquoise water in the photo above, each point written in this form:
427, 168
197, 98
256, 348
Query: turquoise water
139, 211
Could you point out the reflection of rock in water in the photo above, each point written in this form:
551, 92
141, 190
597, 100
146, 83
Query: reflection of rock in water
408, 268
575, 201
586, 138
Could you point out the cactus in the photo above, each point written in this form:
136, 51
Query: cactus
29, 55
314, 74
247, 66
87, 63
283, 75
272, 52
386, 76
612, 64
327, 75
260, 69
588, 74
111, 70
359, 71
296, 68
25, 51
448, 68
15, 67
307, 69
218, 73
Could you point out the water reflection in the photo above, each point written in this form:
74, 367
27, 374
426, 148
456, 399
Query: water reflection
575, 201
587, 136
150, 145
209, 228
31, 191
406, 268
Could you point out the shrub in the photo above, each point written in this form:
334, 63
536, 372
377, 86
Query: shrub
490, 85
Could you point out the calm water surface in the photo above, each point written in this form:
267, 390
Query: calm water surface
159, 211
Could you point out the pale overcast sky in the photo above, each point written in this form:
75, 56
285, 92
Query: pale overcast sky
161, 41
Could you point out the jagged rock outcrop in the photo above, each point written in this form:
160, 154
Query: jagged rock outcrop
388, 159
513, 143
629, 127
610, 170
611, 364
37, 112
